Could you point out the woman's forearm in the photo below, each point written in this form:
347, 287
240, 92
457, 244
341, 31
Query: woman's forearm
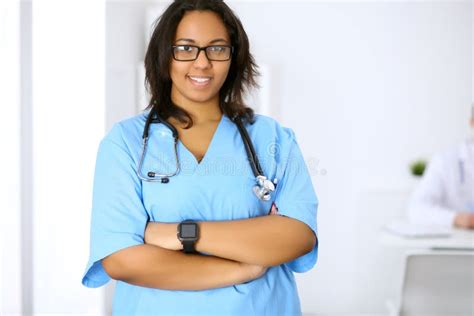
155, 267
267, 240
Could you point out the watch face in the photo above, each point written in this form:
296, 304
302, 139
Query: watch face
188, 230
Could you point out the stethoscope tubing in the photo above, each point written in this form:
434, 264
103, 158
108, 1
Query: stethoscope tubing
461, 172
254, 163
264, 186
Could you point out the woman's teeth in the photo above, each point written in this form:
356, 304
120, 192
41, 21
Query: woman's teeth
200, 80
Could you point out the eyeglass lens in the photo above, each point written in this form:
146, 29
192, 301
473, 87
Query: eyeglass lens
187, 52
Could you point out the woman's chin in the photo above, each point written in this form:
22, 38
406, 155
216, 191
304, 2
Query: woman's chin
199, 98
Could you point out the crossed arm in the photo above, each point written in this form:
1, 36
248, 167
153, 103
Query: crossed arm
237, 252
267, 240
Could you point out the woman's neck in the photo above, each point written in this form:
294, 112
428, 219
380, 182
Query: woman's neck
201, 112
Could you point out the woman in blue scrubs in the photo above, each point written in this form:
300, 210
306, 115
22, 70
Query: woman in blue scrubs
197, 67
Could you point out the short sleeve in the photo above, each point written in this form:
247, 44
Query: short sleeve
295, 198
118, 218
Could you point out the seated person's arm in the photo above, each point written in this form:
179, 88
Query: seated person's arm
427, 204
464, 220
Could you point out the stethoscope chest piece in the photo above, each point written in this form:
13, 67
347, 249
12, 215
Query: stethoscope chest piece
264, 188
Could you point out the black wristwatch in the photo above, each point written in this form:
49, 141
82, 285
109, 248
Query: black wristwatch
188, 234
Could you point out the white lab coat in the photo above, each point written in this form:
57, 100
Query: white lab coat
447, 187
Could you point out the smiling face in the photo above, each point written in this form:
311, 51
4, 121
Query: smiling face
198, 82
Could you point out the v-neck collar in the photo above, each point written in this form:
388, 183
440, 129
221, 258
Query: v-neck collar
209, 147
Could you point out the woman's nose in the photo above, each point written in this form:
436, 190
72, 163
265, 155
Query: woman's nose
201, 60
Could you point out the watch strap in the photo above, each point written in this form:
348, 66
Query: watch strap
188, 246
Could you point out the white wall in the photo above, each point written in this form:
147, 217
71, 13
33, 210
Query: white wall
10, 220
377, 85
68, 123
125, 27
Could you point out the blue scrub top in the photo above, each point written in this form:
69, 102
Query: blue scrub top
216, 189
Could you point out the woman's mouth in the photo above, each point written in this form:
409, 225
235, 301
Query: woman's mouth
200, 82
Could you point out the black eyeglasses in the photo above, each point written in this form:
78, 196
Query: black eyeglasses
213, 53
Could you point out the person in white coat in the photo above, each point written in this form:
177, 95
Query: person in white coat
445, 195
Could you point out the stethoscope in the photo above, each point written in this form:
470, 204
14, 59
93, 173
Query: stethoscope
461, 164
462, 172
466, 186
263, 187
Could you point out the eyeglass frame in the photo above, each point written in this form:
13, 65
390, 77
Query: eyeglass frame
205, 52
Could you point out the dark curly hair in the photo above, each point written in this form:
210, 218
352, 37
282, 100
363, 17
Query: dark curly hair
242, 72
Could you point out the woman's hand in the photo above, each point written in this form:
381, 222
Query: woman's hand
464, 220
251, 272
163, 235
273, 210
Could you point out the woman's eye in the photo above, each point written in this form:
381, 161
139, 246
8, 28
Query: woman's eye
184, 48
